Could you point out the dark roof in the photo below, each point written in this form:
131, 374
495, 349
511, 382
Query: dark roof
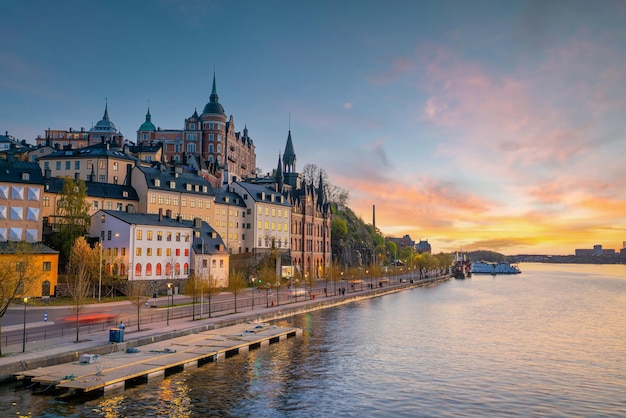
179, 177
20, 172
38, 248
95, 189
233, 198
255, 191
97, 150
145, 219
212, 240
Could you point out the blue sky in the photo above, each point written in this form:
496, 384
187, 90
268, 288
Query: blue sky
473, 124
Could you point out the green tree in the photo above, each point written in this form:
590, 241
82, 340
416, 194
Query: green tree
80, 267
17, 273
339, 229
73, 218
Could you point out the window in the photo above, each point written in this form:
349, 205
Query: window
221, 263
183, 202
47, 266
160, 199
139, 234
116, 166
148, 269
46, 165
177, 237
191, 147
192, 202
58, 165
68, 164
186, 269
102, 178
158, 269
152, 198
149, 235
46, 201
187, 237
138, 269
102, 164
186, 252
159, 236
168, 200
76, 165
138, 251
115, 180
168, 237
149, 252
168, 252
177, 252
89, 164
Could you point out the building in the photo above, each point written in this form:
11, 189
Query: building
42, 269
423, 247
155, 247
232, 220
103, 163
211, 135
403, 242
21, 201
104, 129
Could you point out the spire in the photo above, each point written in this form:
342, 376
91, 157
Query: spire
289, 157
214, 97
321, 196
279, 175
106, 109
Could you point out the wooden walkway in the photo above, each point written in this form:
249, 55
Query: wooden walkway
156, 360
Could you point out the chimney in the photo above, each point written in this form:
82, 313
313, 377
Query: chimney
168, 213
178, 218
160, 214
129, 169
130, 208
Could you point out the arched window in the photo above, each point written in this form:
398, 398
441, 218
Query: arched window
122, 269
158, 269
168, 269
177, 269
45, 288
138, 269
148, 269
115, 269
108, 268
186, 269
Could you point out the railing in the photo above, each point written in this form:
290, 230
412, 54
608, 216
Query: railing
262, 298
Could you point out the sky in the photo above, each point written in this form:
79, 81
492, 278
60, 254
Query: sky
492, 125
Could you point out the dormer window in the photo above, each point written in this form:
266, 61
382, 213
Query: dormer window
124, 193
188, 187
205, 189
157, 182
172, 184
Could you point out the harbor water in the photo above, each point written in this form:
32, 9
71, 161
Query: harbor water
548, 342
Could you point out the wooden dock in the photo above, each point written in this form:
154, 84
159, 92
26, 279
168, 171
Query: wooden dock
156, 360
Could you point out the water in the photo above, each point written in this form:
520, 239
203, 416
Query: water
548, 342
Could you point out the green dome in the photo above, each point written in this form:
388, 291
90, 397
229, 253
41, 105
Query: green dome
147, 125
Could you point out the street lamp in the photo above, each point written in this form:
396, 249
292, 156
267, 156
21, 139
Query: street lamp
100, 276
169, 292
202, 279
24, 332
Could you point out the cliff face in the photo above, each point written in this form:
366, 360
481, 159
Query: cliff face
353, 242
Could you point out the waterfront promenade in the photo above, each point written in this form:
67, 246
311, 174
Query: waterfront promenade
53, 351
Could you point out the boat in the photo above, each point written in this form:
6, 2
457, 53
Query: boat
487, 267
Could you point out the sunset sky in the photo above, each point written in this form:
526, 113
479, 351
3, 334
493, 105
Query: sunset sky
496, 125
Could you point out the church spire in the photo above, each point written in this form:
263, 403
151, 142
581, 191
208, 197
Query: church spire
289, 157
279, 178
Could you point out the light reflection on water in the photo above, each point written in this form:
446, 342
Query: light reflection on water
548, 342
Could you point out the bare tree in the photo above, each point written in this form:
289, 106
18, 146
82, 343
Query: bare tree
17, 273
138, 295
236, 282
79, 271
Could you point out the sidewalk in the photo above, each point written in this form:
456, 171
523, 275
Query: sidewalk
61, 350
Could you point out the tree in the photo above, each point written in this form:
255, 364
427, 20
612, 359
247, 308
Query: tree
311, 175
339, 229
236, 282
138, 296
17, 273
80, 267
73, 218
193, 287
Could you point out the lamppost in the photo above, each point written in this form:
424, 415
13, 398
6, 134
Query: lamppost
24, 331
100, 276
169, 292
202, 279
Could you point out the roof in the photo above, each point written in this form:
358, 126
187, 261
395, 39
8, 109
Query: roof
95, 189
260, 193
105, 123
20, 172
229, 198
214, 106
144, 219
180, 178
97, 150
37, 247
147, 125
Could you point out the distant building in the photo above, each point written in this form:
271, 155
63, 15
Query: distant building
405, 241
423, 247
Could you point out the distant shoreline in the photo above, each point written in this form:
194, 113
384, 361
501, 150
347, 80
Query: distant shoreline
568, 259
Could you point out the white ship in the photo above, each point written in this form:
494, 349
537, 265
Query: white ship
486, 267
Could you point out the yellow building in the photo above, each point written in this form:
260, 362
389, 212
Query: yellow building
36, 265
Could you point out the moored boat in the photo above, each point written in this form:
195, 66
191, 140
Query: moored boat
502, 267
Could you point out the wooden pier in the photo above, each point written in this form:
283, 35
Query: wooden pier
156, 360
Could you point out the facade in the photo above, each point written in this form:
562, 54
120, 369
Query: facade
232, 220
155, 247
21, 201
174, 191
269, 217
42, 270
101, 163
